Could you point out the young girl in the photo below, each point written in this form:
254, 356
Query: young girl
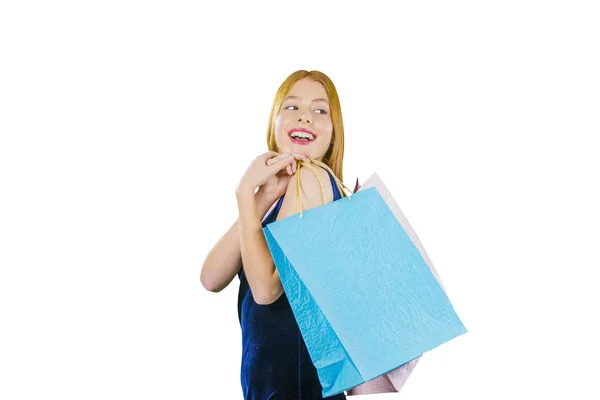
305, 124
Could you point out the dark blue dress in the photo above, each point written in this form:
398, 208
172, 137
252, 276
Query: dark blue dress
276, 364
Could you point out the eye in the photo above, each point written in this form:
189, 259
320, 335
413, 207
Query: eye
323, 111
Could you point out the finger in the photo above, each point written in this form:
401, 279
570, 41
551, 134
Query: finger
273, 160
268, 154
280, 164
300, 156
289, 169
280, 156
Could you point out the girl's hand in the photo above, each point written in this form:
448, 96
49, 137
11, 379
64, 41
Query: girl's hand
276, 186
269, 167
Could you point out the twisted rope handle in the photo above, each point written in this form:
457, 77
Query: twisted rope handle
340, 185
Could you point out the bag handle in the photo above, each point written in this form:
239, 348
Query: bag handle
301, 163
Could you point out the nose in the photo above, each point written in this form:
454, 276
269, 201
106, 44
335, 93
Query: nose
305, 117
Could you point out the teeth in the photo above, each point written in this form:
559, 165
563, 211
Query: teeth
302, 135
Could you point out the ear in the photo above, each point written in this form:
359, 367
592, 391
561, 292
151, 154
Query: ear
356, 187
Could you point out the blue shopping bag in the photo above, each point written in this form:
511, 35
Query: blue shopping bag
363, 297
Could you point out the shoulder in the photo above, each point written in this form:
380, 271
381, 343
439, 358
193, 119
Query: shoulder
311, 185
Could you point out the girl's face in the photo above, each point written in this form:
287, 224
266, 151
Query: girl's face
303, 124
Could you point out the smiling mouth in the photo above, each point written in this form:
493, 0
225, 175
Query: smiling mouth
301, 137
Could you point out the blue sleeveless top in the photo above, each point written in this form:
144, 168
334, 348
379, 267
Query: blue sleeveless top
276, 364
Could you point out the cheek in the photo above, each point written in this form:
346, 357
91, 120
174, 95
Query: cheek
277, 126
326, 128
281, 122
280, 128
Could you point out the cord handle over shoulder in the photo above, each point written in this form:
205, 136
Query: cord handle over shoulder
340, 185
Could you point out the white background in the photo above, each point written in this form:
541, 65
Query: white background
126, 126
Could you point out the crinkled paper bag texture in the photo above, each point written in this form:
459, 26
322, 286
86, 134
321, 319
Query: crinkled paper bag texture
394, 380
364, 298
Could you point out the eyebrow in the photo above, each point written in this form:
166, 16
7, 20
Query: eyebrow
298, 97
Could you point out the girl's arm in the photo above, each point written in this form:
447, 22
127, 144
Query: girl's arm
224, 260
259, 267
258, 264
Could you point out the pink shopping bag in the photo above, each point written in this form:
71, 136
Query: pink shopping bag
394, 380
